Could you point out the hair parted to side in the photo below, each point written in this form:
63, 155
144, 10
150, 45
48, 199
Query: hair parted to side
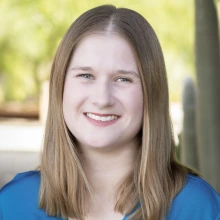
157, 176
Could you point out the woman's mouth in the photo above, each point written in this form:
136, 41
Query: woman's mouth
101, 119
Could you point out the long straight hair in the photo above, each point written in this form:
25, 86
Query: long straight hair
157, 176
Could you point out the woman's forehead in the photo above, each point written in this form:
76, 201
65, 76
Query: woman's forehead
109, 51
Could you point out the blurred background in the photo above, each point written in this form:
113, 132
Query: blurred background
189, 35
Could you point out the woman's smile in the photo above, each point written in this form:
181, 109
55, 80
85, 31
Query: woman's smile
101, 119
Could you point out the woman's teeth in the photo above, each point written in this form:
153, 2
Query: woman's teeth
101, 118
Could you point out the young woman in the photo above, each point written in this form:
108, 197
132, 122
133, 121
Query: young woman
108, 151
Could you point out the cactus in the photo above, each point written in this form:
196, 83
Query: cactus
189, 155
208, 84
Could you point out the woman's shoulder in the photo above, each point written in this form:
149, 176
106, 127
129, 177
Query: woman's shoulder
19, 197
197, 189
28, 181
197, 200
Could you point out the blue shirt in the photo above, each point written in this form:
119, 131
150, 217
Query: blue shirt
19, 200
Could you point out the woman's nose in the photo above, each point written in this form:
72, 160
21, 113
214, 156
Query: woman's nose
102, 95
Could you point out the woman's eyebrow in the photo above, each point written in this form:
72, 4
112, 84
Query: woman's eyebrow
90, 69
84, 68
128, 72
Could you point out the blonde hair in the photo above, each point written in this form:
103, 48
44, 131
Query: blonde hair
157, 176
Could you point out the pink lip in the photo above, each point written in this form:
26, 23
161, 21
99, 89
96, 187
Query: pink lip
101, 123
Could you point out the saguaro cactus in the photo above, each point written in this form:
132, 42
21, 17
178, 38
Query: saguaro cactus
188, 137
208, 81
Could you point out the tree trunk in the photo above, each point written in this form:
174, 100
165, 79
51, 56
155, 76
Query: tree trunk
208, 82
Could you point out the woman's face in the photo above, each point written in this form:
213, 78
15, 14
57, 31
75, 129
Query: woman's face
103, 98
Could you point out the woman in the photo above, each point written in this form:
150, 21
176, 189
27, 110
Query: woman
108, 150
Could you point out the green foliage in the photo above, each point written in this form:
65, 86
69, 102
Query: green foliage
31, 31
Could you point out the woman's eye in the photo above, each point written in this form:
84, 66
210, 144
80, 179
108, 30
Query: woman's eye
86, 76
123, 79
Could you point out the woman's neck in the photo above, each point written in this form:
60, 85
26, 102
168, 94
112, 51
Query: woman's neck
107, 169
